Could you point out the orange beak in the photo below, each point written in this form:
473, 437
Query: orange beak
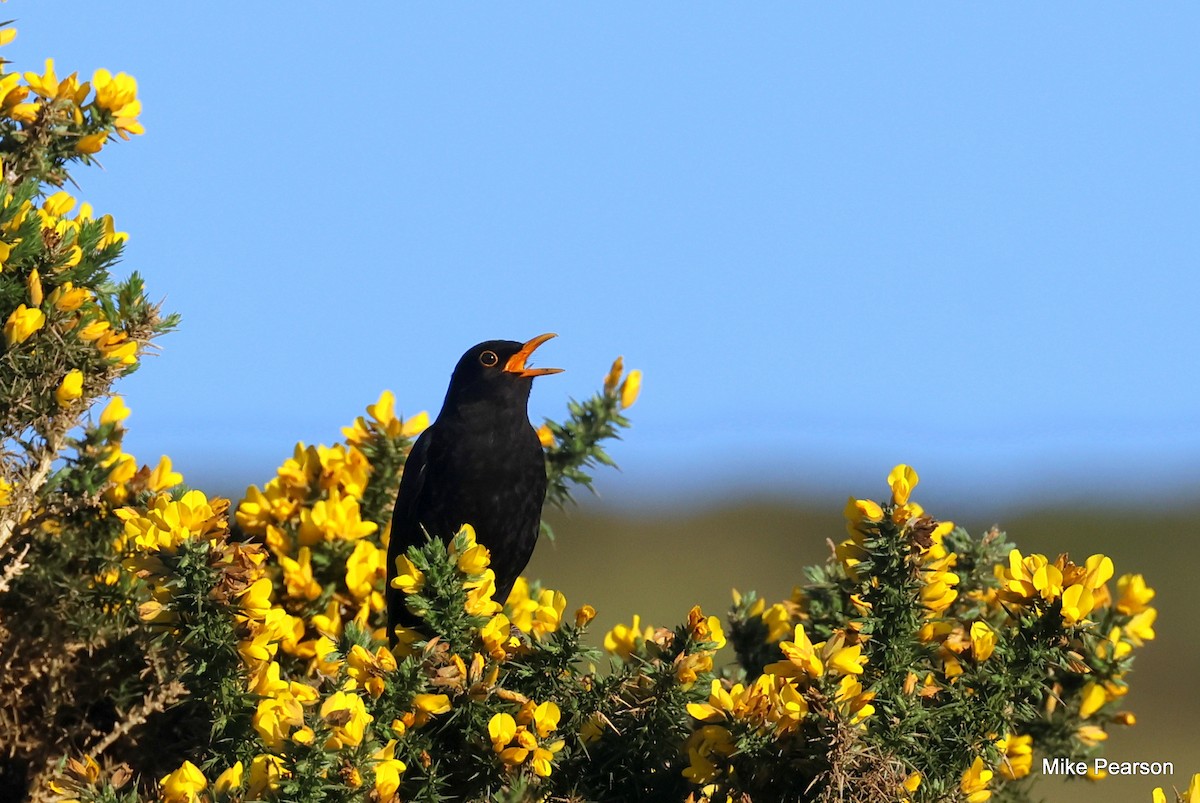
516, 363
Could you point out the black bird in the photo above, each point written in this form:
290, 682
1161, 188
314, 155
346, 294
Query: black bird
480, 463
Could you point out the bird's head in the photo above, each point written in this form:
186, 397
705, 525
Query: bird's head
497, 372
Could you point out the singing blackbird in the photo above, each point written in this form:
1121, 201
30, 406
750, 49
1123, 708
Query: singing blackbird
480, 463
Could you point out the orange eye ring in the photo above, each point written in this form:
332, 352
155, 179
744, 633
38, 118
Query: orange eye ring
488, 359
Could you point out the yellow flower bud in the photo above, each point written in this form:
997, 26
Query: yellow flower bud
630, 388
614, 376
34, 283
70, 389
584, 615
92, 143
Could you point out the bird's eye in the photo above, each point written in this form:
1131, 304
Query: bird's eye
488, 358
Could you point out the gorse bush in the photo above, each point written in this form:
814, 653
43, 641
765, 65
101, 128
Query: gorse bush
157, 643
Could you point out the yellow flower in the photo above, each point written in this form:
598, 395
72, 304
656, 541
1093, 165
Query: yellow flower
584, 615
502, 729
388, 769
114, 412
94, 331
22, 323
1135, 595
230, 780
538, 616
545, 435
334, 518
983, 641
7, 35
705, 744
184, 785
791, 707
844, 660
369, 671
24, 112
70, 389
325, 652
409, 578
260, 510
256, 599
623, 641
802, 658
705, 629
58, 204
162, 477
902, 479
117, 346
539, 760
614, 376
34, 285
275, 717
631, 388
1141, 627
474, 560
91, 143
480, 595
366, 567
974, 782
265, 773
114, 93
298, 577
545, 718
861, 511
416, 425
431, 703
45, 85
496, 636
343, 467
1077, 603
853, 701
1017, 760
348, 718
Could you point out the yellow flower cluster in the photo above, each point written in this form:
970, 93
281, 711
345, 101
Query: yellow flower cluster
625, 391
313, 504
382, 422
523, 740
113, 105
538, 614
624, 640
1035, 581
68, 308
188, 784
125, 479
313, 498
168, 523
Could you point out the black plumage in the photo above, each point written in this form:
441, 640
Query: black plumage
479, 463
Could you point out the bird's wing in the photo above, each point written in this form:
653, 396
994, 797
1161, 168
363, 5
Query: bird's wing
406, 530
404, 518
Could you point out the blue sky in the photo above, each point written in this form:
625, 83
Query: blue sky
834, 238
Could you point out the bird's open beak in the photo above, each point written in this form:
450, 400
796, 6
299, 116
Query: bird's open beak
516, 363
